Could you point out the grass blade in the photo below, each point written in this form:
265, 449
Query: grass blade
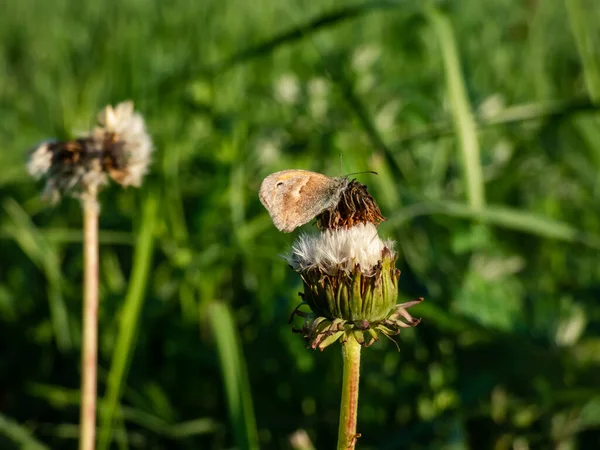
187, 72
302, 31
19, 434
129, 319
364, 118
73, 236
61, 398
503, 217
516, 114
462, 116
45, 256
585, 47
234, 374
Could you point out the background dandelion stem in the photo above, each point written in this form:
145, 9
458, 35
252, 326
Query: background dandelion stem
349, 406
89, 352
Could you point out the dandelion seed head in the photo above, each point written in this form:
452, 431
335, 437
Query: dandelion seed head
339, 249
120, 148
72, 167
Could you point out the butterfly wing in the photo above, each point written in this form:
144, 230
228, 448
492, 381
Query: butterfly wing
295, 197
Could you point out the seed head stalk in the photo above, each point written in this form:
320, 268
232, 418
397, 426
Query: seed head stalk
348, 410
89, 347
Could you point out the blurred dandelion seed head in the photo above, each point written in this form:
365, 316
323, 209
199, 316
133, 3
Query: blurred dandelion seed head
364, 57
124, 134
40, 161
287, 89
70, 167
120, 148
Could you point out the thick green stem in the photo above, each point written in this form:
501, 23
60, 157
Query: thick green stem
89, 341
348, 410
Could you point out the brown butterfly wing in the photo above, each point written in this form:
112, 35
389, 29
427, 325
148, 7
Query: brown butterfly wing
295, 197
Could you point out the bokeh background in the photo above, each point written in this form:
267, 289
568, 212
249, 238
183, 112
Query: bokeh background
481, 119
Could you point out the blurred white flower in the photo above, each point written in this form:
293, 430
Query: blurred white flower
287, 89
491, 106
318, 91
365, 82
571, 327
386, 117
299, 440
339, 249
318, 87
364, 57
268, 151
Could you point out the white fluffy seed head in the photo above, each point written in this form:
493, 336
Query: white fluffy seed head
129, 129
119, 147
342, 249
80, 177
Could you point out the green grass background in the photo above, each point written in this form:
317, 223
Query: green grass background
482, 121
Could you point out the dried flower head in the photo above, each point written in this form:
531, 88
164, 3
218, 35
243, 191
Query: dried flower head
72, 166
349, 275
356, 206
119, 148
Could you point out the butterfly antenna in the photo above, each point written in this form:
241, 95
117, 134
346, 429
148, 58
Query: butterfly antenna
364, 171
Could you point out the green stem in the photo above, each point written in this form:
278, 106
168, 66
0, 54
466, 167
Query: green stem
348, 410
